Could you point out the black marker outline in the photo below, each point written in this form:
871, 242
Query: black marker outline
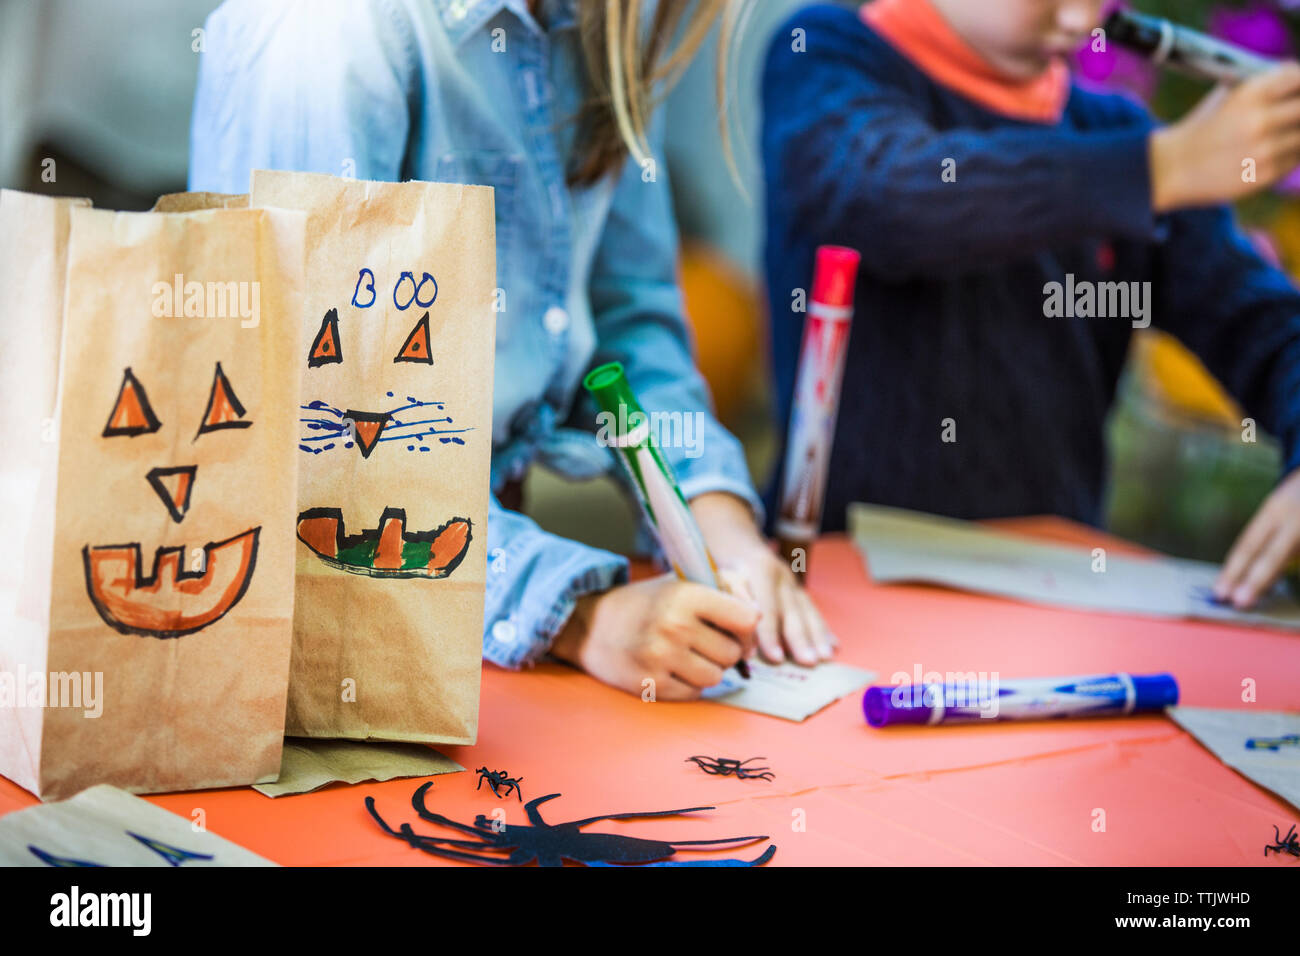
428, 341
235, 403
330, 323
131, 431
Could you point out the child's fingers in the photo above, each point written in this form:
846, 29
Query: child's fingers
722, 649
794, 629
1274, 85
724, 611
1284, 115
1282, 80
1266, 568
736, 583
1283, 152
1242, 553
671, 687
767, 632
816, 626
695, 671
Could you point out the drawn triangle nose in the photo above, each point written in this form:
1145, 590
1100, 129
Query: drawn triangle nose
174, 486
366, 427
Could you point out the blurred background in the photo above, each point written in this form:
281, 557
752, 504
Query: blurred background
95, 99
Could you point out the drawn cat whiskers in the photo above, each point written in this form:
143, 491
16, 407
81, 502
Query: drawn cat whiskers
331, 431
394, 431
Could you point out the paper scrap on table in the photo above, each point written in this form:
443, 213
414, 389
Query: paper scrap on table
789, 690
309, 764
1263, 745
105, 826
901, 545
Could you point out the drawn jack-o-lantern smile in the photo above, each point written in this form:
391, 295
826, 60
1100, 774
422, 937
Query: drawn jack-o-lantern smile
388, 550
408, 425
172, 599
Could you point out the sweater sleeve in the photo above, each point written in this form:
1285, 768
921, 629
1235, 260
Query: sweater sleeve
863, 167
1238, 313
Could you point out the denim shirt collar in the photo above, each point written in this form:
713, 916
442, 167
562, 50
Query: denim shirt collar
461, 18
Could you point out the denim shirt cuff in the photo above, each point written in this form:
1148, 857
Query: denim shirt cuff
548, 603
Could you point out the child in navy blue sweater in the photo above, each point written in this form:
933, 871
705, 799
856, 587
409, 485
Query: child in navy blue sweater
1014, 229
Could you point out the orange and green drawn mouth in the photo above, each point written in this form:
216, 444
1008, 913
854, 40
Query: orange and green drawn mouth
388, 551
173, 600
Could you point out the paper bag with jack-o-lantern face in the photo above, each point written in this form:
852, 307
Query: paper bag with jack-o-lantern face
168, 626
395, 447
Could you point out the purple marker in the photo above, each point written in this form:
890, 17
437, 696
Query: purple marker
1027, 699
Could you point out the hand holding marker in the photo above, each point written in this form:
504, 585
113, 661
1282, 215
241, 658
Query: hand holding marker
1184, 49
662, 502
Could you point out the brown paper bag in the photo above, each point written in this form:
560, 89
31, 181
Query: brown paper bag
33, 262
193, 202
395, 447
170, 608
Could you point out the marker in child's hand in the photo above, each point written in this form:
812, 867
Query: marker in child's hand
662, 502
1184, 49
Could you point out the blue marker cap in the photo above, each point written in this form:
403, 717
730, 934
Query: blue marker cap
880, 710
1154, 692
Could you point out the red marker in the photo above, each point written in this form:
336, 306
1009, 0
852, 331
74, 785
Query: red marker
816, 403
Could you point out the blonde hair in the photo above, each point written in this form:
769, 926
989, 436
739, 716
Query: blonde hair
627, 80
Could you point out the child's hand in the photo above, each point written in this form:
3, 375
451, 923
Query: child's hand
1198, 161
790, 621
660, 630
1260, 554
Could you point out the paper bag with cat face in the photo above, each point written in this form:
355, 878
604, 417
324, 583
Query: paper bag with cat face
395, 447
168, 627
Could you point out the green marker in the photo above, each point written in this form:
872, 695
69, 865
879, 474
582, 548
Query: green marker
661, 500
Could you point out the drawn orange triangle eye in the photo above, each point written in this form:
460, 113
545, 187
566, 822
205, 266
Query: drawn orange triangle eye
132, 414
325, 349
416, 348
224, 408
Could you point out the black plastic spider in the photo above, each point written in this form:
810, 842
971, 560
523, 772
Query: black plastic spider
727, 766
496, 779
551, 845
1284, 844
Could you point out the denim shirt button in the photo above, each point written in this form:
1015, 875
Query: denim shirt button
556, 320
531, 86
457, 9
503, 631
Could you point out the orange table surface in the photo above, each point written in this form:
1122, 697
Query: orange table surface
996, 793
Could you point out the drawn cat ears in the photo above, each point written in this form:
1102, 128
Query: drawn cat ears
326, 350
133, 413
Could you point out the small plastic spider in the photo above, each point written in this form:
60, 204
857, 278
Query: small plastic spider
496, 779
1284, 844
727, 766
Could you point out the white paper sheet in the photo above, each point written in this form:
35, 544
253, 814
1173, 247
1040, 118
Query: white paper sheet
901, 545
105, 826
1263, 745
789, 690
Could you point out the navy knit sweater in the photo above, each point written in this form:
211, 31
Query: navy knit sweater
950, 317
